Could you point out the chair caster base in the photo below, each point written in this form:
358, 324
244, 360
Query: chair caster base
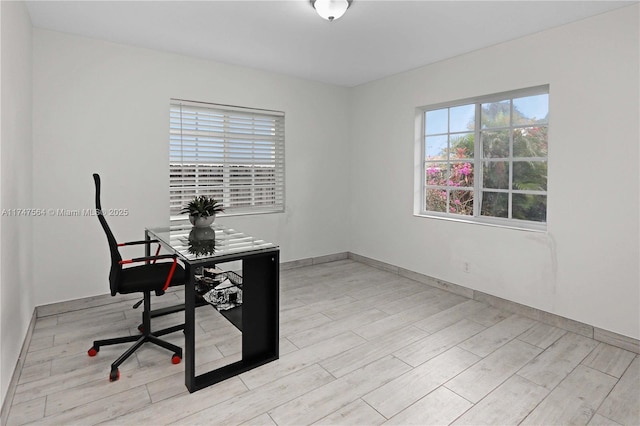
93, 351
114, 375
175, 359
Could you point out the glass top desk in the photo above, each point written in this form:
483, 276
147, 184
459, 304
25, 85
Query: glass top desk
206, 247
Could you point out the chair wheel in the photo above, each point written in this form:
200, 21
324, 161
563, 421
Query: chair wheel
114, 375
93, 351
141, 328
175, 359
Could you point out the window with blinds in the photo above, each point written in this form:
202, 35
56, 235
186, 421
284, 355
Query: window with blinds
233, 154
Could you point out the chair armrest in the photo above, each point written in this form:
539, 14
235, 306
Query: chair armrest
132, 243
145, 242
148, 258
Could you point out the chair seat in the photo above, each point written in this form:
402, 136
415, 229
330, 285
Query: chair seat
150, 277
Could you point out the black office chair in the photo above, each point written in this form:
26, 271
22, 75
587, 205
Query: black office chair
150, 276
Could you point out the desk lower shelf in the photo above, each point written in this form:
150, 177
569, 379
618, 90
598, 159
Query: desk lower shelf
233, 315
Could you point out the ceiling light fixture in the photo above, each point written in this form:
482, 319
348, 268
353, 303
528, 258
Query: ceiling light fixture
331, 9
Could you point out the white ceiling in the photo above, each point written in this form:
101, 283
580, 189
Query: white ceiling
374, 39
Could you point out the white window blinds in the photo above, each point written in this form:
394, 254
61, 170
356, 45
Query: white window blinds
233, 154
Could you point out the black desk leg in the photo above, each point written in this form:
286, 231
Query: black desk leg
189, 329
260, 307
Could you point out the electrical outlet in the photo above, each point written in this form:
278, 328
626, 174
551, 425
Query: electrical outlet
466, 267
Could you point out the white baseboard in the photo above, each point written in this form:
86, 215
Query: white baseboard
15, 377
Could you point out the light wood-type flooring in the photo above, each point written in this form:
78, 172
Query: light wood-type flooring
358, 346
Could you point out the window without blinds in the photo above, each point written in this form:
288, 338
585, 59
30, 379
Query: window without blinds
485, 159
233, 154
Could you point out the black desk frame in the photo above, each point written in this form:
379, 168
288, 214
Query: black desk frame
260, 313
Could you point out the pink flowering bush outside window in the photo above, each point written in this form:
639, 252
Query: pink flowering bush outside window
455, 177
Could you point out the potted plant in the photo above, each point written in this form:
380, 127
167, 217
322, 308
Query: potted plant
202, 210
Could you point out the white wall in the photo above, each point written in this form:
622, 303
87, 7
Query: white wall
586, 266
103, 107
16, 287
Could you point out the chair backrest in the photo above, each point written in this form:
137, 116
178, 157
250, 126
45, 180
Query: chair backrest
116, 267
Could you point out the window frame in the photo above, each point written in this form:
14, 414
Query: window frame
420, 164
234, 144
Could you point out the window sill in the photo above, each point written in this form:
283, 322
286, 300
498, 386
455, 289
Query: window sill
542, 228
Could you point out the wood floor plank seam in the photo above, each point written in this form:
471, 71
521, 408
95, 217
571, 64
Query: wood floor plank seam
556, 386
